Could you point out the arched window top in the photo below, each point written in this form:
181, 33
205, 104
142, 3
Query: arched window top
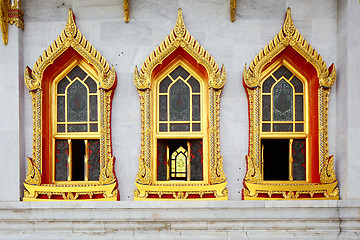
69, 85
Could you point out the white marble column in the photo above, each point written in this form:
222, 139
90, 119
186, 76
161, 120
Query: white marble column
11, 92
348, 98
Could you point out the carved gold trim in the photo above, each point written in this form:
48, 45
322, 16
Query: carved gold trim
10, 13
143, 79
232, 10
126, 11
71, 37
288, 37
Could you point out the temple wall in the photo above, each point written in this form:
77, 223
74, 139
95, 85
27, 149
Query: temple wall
126, 45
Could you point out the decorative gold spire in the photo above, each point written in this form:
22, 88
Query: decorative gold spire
126, 11
179, 29
4, 20
10, 12
232, 10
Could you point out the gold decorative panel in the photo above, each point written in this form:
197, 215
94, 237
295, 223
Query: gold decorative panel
290, 50
180, 49
68, 50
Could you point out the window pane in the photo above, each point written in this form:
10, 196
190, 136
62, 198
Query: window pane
282, 71
299, 127
78, 159
299, 108
93, 127
266, 86
61, 160
61, 108
163, 108
178, 163
77, 128
276, 159
61, 128
282, 101
94, 159
91, 85
196, 160
298, 85
77, 102
299, 159
266, 105
195, 85
93, 108
77, 72
62, 85
282, 127
179, 102
196, 108
179, 127
164, 85
266, 127
179, 71
161, 160
163, 127
196, 127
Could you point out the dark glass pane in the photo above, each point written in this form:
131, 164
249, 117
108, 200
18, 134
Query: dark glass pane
77, 102
282, 71
62, 85
196, 127
196, 160
179, 71
164, 85
299, 108
266, 105
299, 159
61, 160
77, 72
195, 85
267, 84
77, 128
276, 159
299, 127
61, 108
78, 159
161, 160
60, 128
266, 127
282, 101
163, 127
91, 85
163, 108
93, 127
179, 127
282, 127
94, 159
93, 108
298, 85
196, 108
179, 102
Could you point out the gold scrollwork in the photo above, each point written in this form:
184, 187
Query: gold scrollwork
71, 37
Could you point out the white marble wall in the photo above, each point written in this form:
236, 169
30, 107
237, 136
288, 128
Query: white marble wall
125, 45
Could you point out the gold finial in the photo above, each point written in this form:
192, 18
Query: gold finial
4, 20
180, 26
289, 27
126, 11
232, 10
70, 28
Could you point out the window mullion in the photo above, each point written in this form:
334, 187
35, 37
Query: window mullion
86, 160
70, 161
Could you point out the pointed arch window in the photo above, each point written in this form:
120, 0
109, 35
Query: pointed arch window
288, 86
179, 87
71, 86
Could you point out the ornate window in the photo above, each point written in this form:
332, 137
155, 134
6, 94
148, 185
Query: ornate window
179, 87
288, 85
71, 87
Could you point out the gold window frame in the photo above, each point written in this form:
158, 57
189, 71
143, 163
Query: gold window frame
255, 188
214, 180
96, 65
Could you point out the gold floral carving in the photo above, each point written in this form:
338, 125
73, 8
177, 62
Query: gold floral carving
10, 13
71, 37
288, 36
180, 37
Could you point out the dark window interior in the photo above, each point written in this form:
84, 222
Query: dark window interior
276, 159
78, 156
